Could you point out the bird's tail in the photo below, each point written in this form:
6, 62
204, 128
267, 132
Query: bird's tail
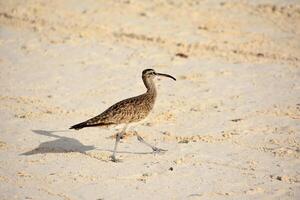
79, 126
88, 124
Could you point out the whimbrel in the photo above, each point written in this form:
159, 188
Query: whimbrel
127, 111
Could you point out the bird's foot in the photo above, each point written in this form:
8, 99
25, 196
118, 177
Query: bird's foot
158, 150
113, 158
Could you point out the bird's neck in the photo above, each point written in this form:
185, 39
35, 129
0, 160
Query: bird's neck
149, 83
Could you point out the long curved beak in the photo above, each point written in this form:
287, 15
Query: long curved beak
166, 75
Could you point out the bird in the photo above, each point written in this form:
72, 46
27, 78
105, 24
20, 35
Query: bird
128, 111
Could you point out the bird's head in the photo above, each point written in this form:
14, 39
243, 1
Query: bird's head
150, 74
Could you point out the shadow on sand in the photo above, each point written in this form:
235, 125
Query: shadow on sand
60, 145
65, 145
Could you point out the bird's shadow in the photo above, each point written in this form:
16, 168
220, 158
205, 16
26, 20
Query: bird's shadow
60, 145
125, 152
65, 145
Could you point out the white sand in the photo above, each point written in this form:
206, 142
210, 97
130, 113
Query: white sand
230, 122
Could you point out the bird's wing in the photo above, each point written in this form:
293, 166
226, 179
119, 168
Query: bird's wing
117, 113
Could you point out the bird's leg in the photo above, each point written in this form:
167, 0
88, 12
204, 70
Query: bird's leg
118, 138
155, 149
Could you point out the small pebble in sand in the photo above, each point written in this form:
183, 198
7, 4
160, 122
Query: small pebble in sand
236, 120
182, 55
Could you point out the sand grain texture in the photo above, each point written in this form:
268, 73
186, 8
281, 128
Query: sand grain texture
230, 122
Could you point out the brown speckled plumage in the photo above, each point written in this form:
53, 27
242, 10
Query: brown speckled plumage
129, 110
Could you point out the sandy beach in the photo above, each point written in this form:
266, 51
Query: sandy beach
230, 123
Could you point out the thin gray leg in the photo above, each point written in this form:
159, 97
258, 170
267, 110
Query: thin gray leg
155, 149
118, 138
